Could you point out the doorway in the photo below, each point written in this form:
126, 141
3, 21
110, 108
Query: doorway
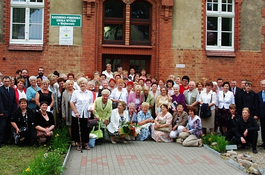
138, 62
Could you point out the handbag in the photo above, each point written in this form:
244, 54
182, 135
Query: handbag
92, 122
206, 113
165, 129
98, 133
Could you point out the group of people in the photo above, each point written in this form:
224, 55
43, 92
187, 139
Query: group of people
176, 109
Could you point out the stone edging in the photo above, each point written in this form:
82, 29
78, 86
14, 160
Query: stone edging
66, 157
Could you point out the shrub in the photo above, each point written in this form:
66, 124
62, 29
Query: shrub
219, 139
47, 163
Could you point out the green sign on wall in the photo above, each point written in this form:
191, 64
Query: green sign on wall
65, 20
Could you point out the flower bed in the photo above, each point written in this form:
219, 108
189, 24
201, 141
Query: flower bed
215, 141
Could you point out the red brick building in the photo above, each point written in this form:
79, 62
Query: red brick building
211, 38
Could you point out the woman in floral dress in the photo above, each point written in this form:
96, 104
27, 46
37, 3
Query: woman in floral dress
162, 125
144, 119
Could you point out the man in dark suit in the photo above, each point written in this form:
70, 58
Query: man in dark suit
7, 106
261, 97
25, 76
234, 88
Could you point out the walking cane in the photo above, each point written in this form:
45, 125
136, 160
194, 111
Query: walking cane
80, 135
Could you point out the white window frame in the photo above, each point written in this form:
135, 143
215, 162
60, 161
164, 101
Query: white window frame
220, 14
27, 5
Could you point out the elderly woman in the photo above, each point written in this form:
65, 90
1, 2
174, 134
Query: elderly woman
79, 103
44, 123
147, 97
39, 80
66, 108
44, 95
108, 72
102, 111
169, 85
90, 87
118, 94
207, 100
177, 98
118, 117
20, 91
22, 121
131, 113
136, 98
31, 93
12, 82
96, 88
154, 92
112, 84
71, 76
144, 120
162, 125
192, 132
180, 119
161, 84
199, 86
224, 99
164, 98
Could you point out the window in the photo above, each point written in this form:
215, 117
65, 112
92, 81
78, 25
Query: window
140, 23
220, 25
113, 21
26, 22
138, 20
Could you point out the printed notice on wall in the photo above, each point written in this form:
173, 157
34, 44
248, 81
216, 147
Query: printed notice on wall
66, 36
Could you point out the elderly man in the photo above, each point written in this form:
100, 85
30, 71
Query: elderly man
261, 99
192, 96
102, 110
7, 105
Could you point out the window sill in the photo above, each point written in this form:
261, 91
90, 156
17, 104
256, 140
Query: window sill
214, 53
127, 46
30, 47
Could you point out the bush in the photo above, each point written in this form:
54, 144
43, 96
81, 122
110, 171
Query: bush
61, 138
219, 139
47, 163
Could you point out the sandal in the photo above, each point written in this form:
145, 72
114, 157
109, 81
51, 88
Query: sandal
73, 144
87, 148
78, 148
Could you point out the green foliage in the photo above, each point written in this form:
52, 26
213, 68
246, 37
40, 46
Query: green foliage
61, 138
45, 163
220, 140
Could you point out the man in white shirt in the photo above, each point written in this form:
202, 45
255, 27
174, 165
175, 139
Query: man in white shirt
192, 96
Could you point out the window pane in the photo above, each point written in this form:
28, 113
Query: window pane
224, 7
35, 32
18, 31
140, 32
215, 0
140, 10
230, 8
215, 7
230, 1
223, 1
35, 16
114, 9
226, 39
212, 23
212, 38
113, 32
18, 15
209, 6
226, 24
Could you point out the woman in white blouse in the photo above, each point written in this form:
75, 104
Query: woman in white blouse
209, 97
79, 103
224, 99
118, 94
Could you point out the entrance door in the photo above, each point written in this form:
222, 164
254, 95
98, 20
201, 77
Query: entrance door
138, 62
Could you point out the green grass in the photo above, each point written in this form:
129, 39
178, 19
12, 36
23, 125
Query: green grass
14, 159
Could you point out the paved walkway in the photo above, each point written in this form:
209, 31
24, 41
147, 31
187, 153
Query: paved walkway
146, 157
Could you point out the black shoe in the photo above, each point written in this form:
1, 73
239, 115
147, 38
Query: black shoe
255, 151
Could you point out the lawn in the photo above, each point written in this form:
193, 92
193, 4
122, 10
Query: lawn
14, 159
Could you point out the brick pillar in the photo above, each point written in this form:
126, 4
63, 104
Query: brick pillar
127, 25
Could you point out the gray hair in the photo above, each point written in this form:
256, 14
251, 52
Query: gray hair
214, 83
32, 78
145, 104
69, 81
80, 80
105, 92
91, 83
192, 82
45, 81
138, 87
131, 104
176, 86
